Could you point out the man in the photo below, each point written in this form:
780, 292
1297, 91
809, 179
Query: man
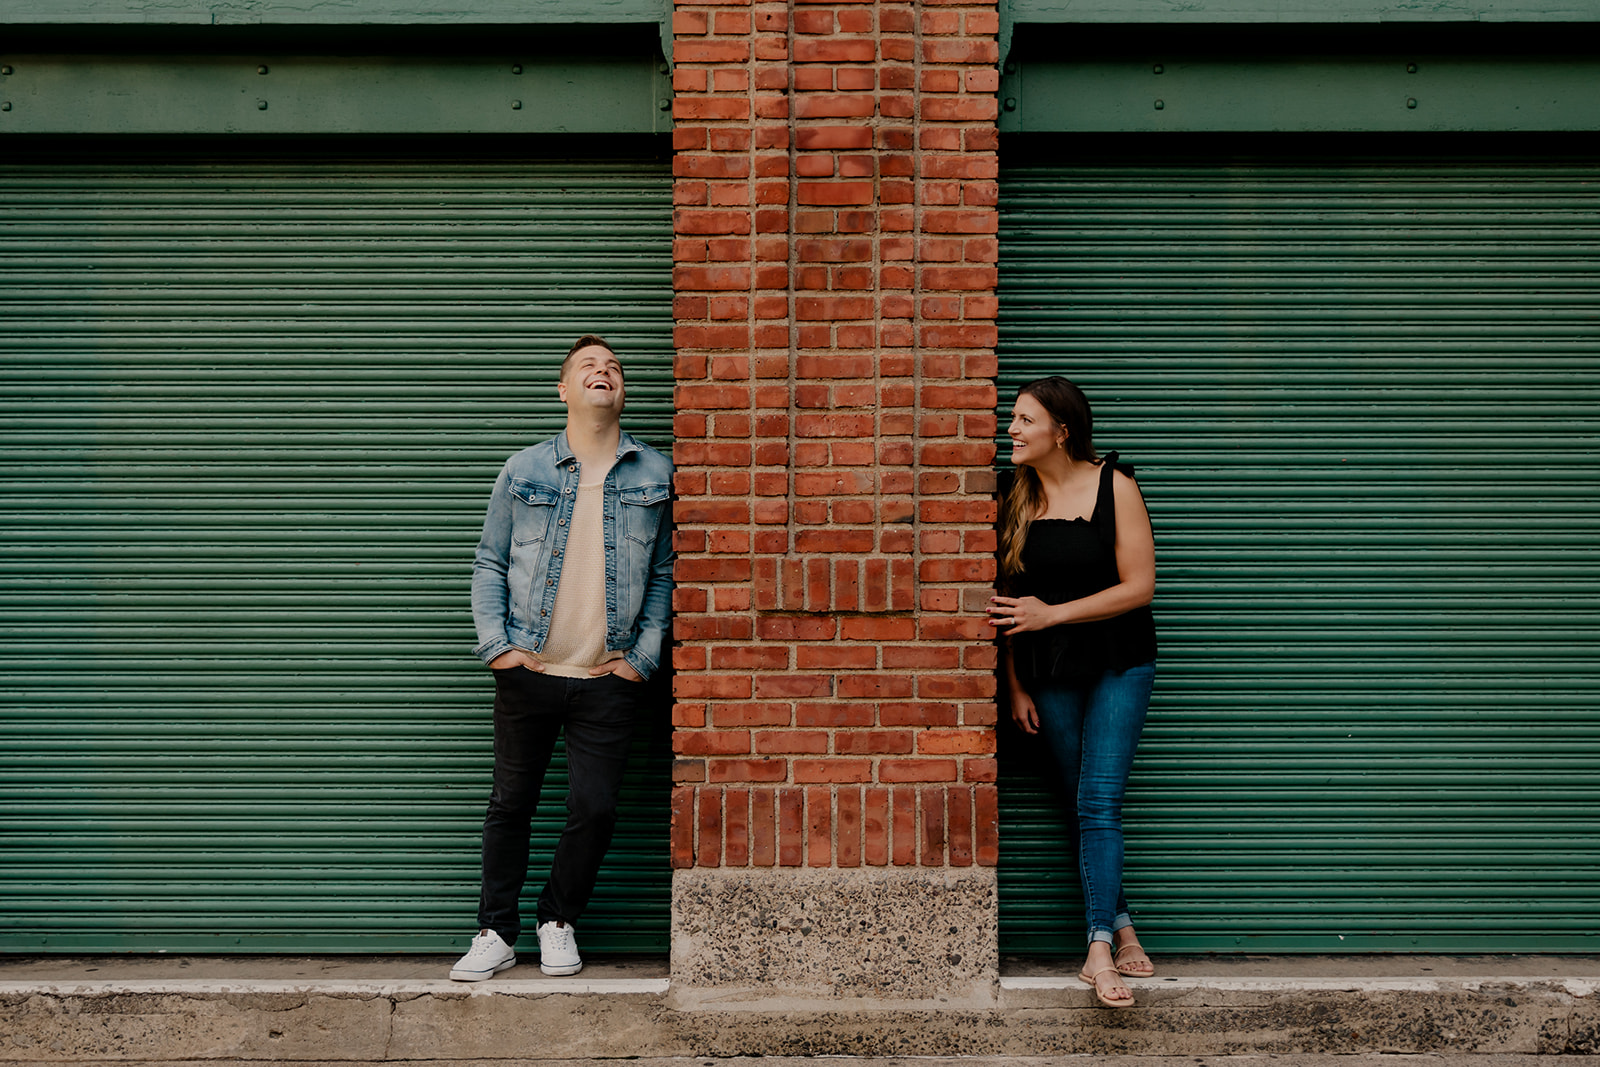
571, 590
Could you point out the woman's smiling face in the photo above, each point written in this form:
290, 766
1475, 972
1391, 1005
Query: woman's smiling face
1034, 434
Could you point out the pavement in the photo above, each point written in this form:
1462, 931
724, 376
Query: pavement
1251, 1011
1082, 1060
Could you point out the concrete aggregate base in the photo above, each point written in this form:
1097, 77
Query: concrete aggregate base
751, 935
1512, 1018
1079, 1060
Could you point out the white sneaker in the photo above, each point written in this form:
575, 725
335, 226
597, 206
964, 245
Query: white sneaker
488, 956
558, 949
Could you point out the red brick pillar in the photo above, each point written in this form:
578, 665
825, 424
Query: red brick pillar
834, 270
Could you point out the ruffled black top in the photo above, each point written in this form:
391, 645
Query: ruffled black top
1068, 559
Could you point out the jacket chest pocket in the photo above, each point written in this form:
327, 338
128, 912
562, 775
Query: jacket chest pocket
531, 523
641, 510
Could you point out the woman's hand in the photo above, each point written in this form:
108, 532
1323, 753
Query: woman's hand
1023, 713
1018, 615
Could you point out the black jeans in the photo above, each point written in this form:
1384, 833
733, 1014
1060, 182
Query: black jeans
530, 711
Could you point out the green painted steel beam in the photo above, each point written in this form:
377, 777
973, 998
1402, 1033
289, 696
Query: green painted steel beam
298, 94
327, 12
1160, 93
1303, 11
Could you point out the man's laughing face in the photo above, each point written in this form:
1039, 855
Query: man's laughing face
592, 380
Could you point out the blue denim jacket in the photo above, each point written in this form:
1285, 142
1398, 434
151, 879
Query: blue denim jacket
518, 566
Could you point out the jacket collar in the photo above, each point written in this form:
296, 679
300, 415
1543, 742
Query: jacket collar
564, 454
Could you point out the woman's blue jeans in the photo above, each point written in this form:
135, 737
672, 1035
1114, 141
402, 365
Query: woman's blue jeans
1093, 729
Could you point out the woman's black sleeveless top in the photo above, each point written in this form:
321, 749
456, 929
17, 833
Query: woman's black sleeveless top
1068, 559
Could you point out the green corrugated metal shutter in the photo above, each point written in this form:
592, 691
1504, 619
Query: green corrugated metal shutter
254, 406
1364, 398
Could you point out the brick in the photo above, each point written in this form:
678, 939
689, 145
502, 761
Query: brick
875, 686
834, 540
682, 827
955, 397
834, 51
810, 742
875, 826
832, 770
980, 770
986, 826
956, 686
958, 823
875, 743
791, 827
909, 770
763, 828
830, 106
903, 832
836, 657
709, 828
951, 742
711, 628
831, 714
837, 193
796, 628
960, 109
812, 308
747, 770
690, 22
736, 827
701, 686
972, 335
922, 657
689, 221
932, 851
813, 21
752, 713
796, 686
711, 742
847, 827
710, 109
819, 827
712, 51
824, 138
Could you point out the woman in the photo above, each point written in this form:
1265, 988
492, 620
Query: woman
1078, 556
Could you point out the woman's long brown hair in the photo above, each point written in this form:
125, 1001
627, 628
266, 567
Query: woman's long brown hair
1066, 404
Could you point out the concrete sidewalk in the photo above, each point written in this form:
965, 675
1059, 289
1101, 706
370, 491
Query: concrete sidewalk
403, 1008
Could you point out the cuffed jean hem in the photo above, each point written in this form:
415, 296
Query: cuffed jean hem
1121, 922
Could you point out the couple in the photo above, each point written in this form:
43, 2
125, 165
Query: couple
1076, 551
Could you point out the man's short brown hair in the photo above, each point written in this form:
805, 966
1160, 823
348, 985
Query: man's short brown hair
588, 340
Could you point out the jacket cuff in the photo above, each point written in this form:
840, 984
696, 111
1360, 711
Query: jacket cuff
637, 661
492, 648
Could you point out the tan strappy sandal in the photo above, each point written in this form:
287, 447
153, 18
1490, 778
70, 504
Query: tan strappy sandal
1092, 981
1122, 966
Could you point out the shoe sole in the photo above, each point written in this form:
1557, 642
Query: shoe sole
552, 969
482, 976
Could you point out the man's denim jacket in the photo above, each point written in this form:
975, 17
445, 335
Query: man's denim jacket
518, 566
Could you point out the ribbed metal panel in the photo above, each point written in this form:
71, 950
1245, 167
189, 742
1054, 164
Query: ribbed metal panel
253, 410
1364, 400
